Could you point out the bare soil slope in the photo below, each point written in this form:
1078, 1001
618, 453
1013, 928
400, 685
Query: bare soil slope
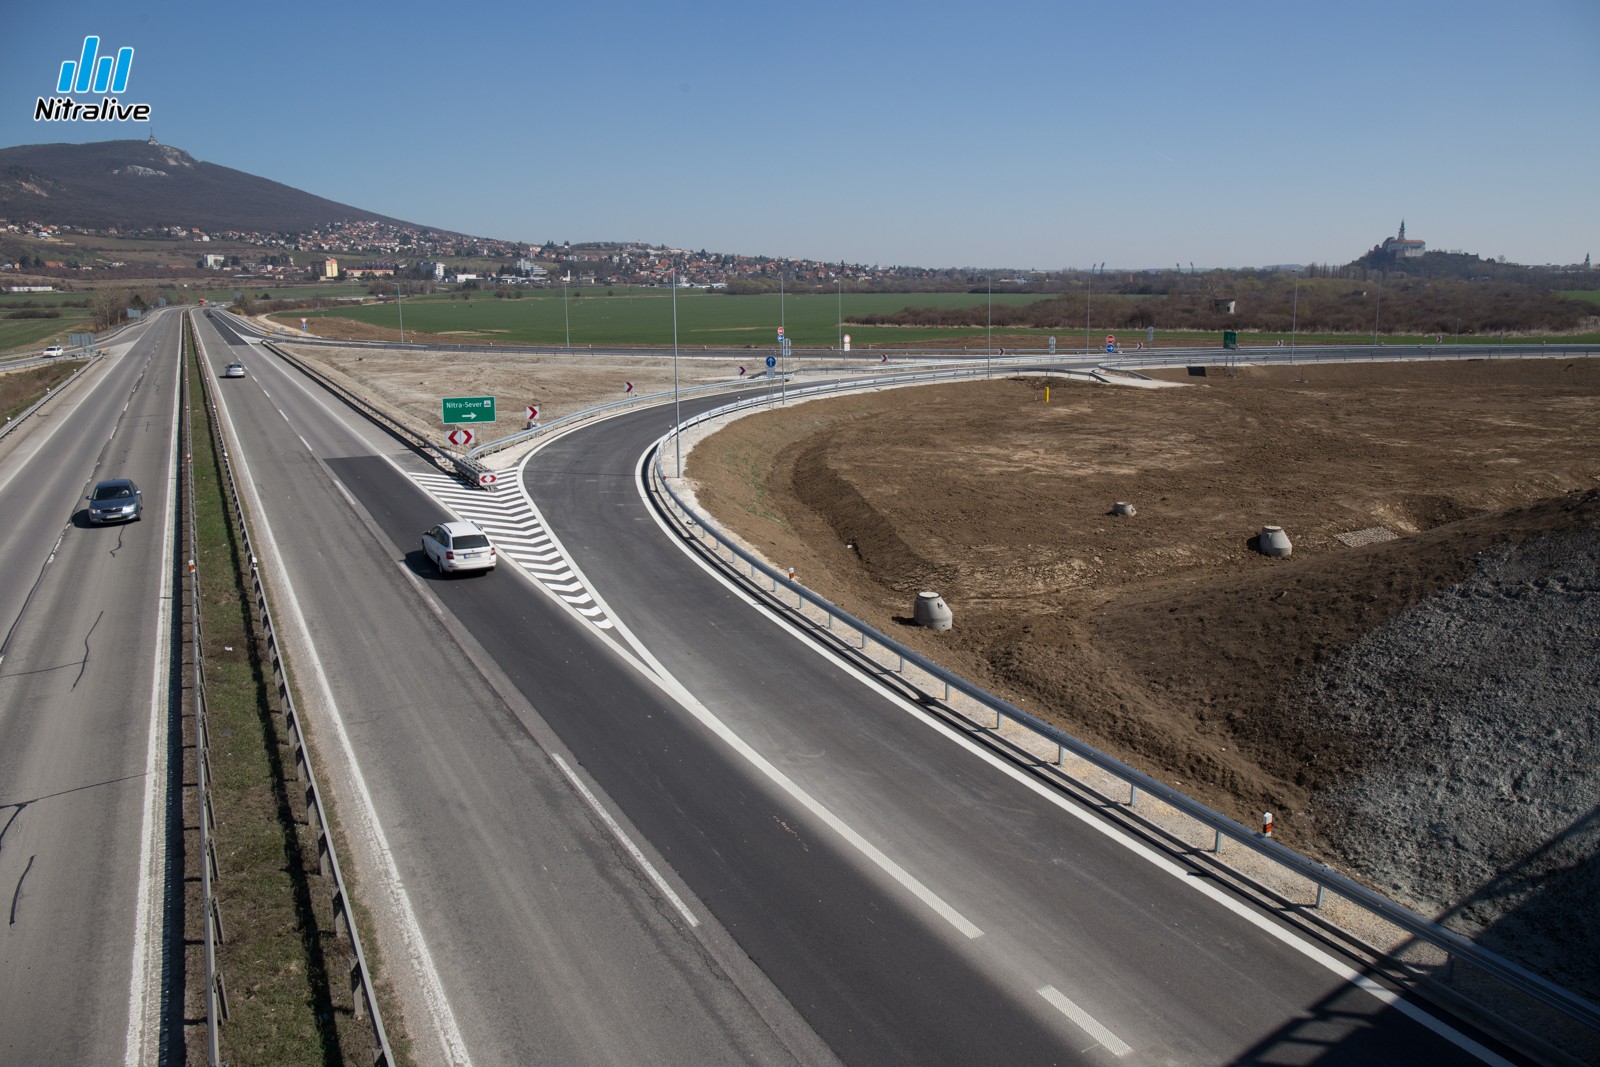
1420, 711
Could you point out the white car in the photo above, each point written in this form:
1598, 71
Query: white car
459, 546
53, 351
234, 370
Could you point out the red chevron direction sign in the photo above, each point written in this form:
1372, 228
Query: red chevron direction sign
461, 437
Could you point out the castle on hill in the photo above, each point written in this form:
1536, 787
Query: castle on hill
1400, 247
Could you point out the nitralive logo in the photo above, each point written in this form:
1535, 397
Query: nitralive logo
93, 73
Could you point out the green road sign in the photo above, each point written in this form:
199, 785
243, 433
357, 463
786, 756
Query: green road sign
1230, 339
468, 409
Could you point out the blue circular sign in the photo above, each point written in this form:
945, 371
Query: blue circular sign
772, 361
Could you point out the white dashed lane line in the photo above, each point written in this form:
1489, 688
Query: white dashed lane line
520, 536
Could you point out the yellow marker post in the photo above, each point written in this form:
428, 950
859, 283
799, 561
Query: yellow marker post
1047, 394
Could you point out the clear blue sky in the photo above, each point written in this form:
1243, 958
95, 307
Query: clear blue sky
1025, 134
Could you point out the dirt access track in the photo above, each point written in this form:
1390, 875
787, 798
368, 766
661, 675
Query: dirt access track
1466, 785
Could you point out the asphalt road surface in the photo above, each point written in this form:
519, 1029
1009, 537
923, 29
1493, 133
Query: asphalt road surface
86, 799
516, 924
603, 808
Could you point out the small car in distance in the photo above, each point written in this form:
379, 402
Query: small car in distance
234, 370
115, 500
459, 546
54, 352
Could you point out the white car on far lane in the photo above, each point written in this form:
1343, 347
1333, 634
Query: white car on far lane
459, 546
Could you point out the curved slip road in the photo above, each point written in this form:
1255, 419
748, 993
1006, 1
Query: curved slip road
932, 907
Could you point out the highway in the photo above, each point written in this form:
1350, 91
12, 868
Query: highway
514, 921
88, 800
602, 807
911, 900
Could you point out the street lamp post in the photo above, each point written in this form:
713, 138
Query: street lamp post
400, 309
1294, 316
677, 409
1377, 312
988, 341
1088, 305
565, 318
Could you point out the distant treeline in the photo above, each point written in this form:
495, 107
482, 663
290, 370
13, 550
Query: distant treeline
1277, 304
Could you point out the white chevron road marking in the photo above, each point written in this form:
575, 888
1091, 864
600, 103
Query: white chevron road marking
520, 536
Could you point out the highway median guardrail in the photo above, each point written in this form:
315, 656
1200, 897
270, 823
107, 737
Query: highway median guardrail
345, 926
216, 992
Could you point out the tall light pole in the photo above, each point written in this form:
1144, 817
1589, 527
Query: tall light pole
1294, 316
565, 319
400, 309
1376, 312
1088, 305
838, 285
988, 340
677, 409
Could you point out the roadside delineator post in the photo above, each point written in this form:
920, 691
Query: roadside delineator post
1266, 824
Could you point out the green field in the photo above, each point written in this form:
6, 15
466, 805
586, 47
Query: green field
23, 335
639, 316
643, 317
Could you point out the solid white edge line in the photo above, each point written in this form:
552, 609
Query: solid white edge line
1283, 934
144, 1002
627, 842
387, 876
631, 650
1085, 1022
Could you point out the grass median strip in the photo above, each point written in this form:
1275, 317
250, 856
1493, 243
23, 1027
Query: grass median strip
280, 947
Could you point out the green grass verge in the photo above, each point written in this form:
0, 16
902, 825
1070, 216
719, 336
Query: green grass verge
280, 949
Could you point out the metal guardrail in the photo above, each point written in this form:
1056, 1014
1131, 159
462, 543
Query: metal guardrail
50, 394
1453, 945
1314, 354
930, 370
500, 444
216, 993
465, 467
344, 921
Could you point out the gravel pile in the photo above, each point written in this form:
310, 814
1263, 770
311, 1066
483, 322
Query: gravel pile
1479, 801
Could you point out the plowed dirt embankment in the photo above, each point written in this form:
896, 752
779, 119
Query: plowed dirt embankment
1419, 711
